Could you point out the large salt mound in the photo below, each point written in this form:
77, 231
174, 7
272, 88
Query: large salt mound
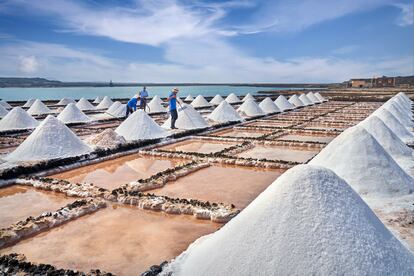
140, 126
189, 98
313, 98
251, 108
248, 96
200, 101
66, 101
320, 97
71, 114
119, 111
296, 101
98, 100
105, 103
188, 118
156, 99
16, 119
156, 107
308, 222
224, 112
405, 97
50, 140
38, 108
106, 139
232, 98
388, 140
113, 107
404, 117
283, 104
305, 100
216, 100
3, 111
392, 122
29, 103
268, 106
359, 159
84, 104
5, 104
402, 102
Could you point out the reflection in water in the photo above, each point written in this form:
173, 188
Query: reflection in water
241, 133
307, 138
227, 184
198, 146
278, 153
113, 173
19, 202
123, 240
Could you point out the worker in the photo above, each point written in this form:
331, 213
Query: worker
143, 98
172, 100
132, 105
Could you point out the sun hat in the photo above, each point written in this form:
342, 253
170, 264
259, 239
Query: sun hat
176, 89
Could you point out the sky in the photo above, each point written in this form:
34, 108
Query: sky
245, 41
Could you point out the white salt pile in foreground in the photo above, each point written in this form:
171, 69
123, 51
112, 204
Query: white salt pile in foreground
38, 108
106, 139
389, 141
188, 118
113, 107
295, 101
224, 112
156, 99
118, 111
189, 98
248, 96
283, 104
17, 119
251, 108
105, 103
3, 111
50, 140
5, 104
232, 98
403, 116
84, 104
156, 107
200, 101
313, 98
308, 222
320, 97
71, 114
29, 103
98, 100
268, 106
140, 126
66, 101
216, 100
305, 100
401, 131
362, 162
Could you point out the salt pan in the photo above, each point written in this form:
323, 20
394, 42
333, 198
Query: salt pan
140, 126
224, 112
360, 160
50, 140
308, 222
268, 106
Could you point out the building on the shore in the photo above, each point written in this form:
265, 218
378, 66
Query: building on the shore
372, 82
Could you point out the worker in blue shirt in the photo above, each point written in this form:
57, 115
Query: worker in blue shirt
132, 105
172, 100
143, 98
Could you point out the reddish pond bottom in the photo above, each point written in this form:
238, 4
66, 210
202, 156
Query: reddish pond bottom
278, 153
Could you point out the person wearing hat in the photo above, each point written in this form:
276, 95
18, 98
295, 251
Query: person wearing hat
172, 100
132, 105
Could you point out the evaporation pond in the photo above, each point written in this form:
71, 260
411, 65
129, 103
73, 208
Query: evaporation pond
279, 153
227, 184
123, 240
242, 133
307, 138
18, 202
198, 146
113, 173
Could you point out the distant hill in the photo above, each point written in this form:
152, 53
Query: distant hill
28, 82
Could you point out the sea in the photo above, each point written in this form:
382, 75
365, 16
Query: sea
57, 93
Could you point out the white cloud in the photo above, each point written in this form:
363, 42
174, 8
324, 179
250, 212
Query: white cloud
345, 49
28, 64
407, 14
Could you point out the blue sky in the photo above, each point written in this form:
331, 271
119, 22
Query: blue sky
206, 41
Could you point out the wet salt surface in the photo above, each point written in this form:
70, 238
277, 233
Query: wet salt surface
272, 124
279, 153
121, 239
18, 202
198, 146
307, 138
241, 133
113, 173
227, 184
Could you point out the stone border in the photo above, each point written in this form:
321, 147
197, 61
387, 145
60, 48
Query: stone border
47, 220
